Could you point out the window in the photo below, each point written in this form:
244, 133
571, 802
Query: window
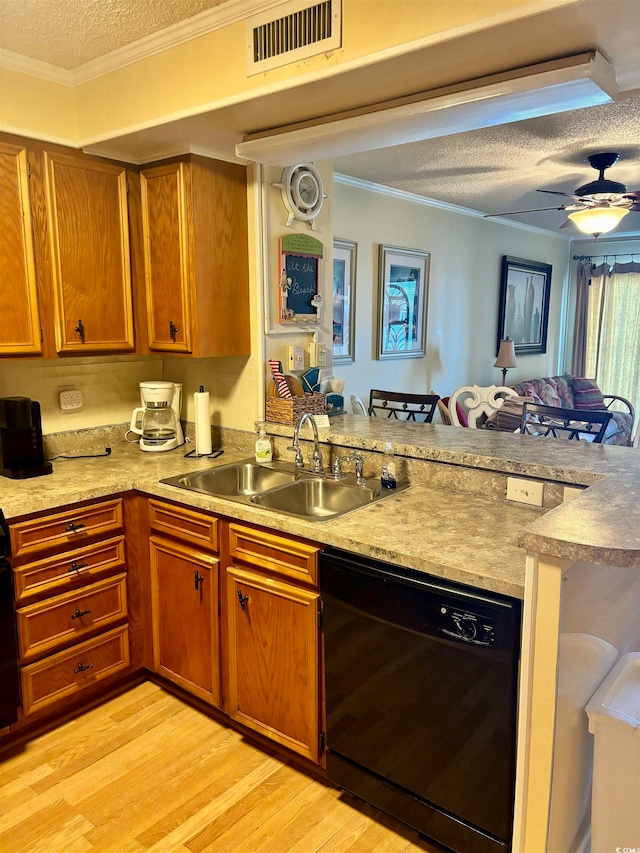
612, 354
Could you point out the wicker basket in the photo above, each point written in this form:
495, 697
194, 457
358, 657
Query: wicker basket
283, 411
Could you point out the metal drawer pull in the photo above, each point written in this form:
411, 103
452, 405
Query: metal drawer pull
243, 600
173, 331
197, 580
82, 668
76, 567
79, 613
72, 527
80, 330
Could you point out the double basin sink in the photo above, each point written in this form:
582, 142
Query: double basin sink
280, 487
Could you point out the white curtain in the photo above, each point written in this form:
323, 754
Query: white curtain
613, 330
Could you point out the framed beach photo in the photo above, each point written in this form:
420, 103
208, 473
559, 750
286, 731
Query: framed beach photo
402, 302
523, 313
344, 301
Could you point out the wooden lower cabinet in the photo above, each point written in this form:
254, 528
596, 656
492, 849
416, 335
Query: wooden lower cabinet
66, 673
273, 658
184, 584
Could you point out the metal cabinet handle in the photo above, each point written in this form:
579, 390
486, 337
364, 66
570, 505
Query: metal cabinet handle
82, 668
80, 613
243, 600
76, 567
197, 580
80, 330
72, 527
173, 331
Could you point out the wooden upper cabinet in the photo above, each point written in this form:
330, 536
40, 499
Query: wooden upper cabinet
194, 219
20, 326
88, 229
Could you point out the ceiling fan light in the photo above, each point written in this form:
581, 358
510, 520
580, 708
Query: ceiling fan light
598, 220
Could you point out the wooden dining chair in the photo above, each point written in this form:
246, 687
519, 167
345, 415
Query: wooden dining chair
445, 417
557, 422
404, 407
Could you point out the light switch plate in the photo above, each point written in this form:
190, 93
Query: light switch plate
524, 491
295, 358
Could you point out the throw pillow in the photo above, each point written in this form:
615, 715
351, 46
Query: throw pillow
586, 394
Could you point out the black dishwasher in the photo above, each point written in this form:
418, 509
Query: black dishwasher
421, 692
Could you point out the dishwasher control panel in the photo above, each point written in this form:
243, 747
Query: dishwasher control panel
467, 626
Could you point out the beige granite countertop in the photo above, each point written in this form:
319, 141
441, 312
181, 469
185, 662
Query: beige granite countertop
450, 534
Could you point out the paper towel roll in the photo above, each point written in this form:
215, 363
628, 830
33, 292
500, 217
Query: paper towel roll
203, 422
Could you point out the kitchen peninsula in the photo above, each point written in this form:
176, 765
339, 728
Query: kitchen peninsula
453, 523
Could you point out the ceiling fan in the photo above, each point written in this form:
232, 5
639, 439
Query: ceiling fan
597, 206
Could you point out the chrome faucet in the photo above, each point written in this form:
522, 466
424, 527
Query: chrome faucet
356, 457
318, 467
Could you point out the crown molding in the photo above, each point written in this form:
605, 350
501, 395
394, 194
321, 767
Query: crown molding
403, 195
35, 68
206, 22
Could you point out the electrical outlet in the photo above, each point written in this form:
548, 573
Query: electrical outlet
320, 355
295, 358
524, 491
70, 400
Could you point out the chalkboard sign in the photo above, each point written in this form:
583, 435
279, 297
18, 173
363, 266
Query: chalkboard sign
300, 277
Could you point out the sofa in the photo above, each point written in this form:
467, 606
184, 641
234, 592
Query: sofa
574, 392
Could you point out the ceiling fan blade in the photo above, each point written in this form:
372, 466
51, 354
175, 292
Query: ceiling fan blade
529, 210
634, 198
558, 192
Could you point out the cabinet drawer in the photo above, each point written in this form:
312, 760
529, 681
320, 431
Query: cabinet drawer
291, 558
65, 529
58, 621
184, 524
64, 571
67, 673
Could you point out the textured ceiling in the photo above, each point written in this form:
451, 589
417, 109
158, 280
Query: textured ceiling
68, 33
491, 170
499, 169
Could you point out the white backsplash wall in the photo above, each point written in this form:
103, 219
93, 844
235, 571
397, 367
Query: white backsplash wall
109, 386
231, 383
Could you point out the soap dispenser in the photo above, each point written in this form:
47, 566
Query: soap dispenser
388, 478
264, 448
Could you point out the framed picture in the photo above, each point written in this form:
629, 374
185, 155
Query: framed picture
344, 301
524, 304
402, 302
300, 279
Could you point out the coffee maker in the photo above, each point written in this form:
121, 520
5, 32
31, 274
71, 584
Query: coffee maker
158, 419
21, 448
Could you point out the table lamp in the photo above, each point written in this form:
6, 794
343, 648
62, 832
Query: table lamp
506, 357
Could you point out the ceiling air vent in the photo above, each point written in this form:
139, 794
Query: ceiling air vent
308, 29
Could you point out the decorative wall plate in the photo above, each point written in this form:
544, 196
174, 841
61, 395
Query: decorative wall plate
302, 192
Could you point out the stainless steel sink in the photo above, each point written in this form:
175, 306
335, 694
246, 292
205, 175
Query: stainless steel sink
280, 487
241, 478
317, 499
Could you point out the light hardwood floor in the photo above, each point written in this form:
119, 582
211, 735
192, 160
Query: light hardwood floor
147, 773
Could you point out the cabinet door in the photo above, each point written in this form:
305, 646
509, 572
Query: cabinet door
89, 235
20, 326
165, 226
185, 618
273, 659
